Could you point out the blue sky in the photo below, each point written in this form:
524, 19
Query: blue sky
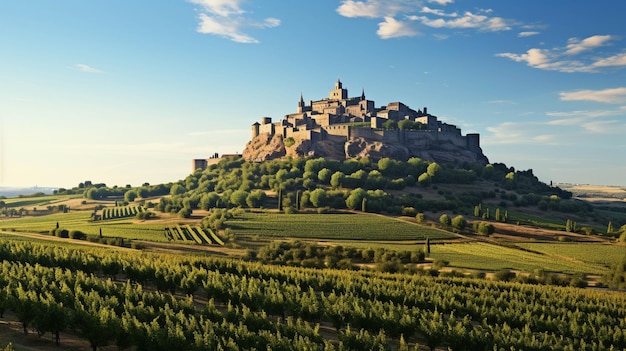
127, 92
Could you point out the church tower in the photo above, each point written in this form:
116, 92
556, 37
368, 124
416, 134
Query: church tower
301, 104
338, 93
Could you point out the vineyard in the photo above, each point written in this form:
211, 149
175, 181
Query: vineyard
145, 301
345, 226
494, 257
195, 234
120, 212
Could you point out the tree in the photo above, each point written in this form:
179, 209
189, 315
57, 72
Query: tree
419, 218
318, 197
459, 222
323, 176
355, 199
256, 198
424, 179
390, 124
337, 179
130, 195
238, 198
427, 246
177, 189
609, 229
445, 220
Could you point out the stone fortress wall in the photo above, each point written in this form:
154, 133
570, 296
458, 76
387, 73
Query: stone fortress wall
340, 117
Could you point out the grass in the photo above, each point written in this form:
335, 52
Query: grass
27, 202
332, 226
80, 220
591, 253
494, 257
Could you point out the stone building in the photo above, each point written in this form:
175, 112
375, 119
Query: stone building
340, 117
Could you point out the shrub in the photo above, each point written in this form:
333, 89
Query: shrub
77, 234
504, 275
62, 233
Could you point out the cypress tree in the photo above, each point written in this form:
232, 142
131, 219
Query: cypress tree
280, 199
427, 246
364, 205
609, 228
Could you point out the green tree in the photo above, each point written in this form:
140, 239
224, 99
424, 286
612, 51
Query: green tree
256, 198
390, 124
445, 220
459, 222
177, 189
336, 180
239, 197
130, 195
424, 179
355, 198
318, 197
323, 176
419, 218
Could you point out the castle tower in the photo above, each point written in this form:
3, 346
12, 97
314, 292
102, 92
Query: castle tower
338, 93
255, 129
301, 104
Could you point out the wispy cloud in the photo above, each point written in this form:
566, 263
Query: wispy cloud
527, 34
226, 18
611, 96
467, 20
503, 102
561, 58
402, 18
85, 68
559, 129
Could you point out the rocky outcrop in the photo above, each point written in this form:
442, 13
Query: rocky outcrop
267, 147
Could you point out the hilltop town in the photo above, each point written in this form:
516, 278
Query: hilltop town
343, 127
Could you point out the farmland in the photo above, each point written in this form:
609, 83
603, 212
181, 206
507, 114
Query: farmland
334, 226
487, 256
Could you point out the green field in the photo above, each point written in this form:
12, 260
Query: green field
27, 202
348, 226
494, 257
591, 253
79, 220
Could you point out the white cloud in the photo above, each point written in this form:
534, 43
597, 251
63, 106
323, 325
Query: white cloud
86, 68
504, 102
615, 60
394, 11
576, 46
227, 19
392, 28
527, 34
373, 8
468, 20
605, 127
223, 8
611, 96
557, 59
438, 12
